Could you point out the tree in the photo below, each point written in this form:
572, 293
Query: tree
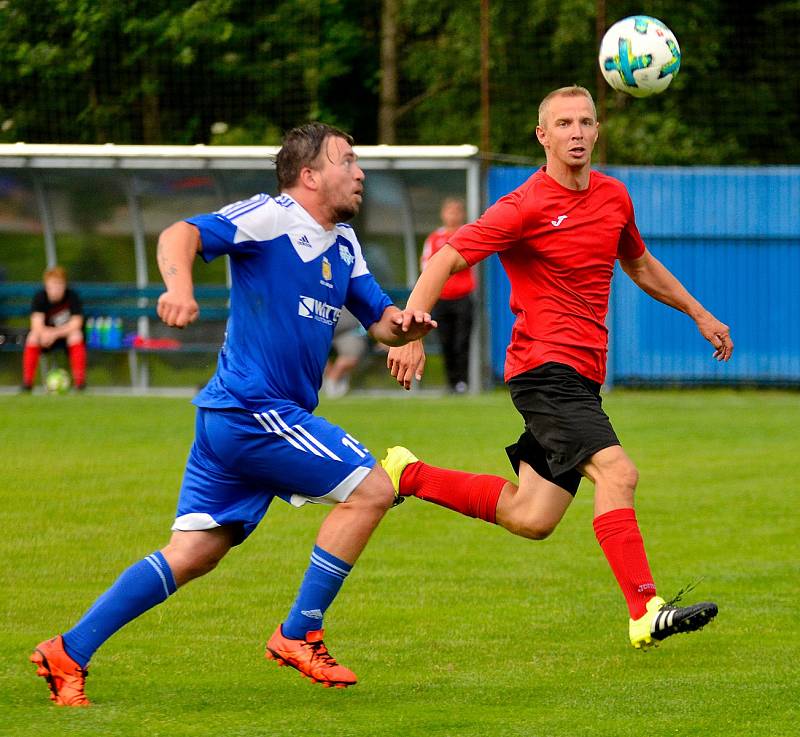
243, 71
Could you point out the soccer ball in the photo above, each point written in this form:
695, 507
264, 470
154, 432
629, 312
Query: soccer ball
57, 381
639, 55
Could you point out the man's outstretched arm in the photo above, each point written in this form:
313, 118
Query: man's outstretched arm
178, 246
652, 277
389, 329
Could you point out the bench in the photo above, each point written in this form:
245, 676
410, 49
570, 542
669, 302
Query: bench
120, 300
136, 307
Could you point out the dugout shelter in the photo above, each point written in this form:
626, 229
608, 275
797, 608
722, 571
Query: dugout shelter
98, 210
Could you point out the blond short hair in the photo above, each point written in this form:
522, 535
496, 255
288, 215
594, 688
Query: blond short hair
55, 272
571, 91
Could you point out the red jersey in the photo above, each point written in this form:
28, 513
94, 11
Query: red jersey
457, 286
558, 247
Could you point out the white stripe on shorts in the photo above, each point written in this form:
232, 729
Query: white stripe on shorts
269, 425
303, 436
316, 442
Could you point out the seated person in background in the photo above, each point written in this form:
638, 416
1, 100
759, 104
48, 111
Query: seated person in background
56, 321
350, 343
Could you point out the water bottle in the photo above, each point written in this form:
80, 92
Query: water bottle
93, 330
105, 329
88, 329
115, 333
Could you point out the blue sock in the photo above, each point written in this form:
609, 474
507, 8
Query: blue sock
139, 588
323, 579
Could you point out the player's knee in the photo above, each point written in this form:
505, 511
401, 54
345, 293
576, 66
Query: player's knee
534, 528
628, 476
194, 554
538, 531
382, 497
374, 497
622, 474
194, 565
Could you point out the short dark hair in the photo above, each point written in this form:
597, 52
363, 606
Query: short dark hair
300, 148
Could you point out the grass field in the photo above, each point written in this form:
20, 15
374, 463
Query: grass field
453, 626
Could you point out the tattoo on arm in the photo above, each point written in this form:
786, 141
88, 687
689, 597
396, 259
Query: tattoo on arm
168, 270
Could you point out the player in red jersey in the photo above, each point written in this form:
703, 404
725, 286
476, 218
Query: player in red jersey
453, 312
558, 237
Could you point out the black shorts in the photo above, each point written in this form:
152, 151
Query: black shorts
564, 423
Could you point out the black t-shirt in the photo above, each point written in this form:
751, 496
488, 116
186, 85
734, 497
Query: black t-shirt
58, 313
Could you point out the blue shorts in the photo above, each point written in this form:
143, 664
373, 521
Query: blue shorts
241, 460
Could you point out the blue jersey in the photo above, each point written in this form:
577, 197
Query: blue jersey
289, 280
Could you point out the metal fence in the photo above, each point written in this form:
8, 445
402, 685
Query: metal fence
732, 236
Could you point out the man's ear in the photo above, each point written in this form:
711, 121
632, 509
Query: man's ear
309, 178
540, 134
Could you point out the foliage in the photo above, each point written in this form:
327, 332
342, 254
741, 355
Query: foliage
241, 72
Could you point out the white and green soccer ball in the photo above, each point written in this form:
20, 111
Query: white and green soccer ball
639, 55
57, 381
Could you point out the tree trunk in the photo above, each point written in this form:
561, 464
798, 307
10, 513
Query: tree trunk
387, 112
151, 107
601, 152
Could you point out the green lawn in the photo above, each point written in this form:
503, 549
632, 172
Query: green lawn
453, 626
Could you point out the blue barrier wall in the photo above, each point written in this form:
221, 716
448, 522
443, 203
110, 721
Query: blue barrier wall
732, 236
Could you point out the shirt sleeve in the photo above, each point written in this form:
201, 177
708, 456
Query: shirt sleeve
631, 246
75, 304
39, 301
366, 300
216, 234
498, 229
236, 229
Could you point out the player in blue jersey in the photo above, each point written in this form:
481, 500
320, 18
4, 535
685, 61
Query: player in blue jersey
294, 265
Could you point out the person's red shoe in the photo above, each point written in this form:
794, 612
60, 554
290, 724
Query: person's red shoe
310, 657
65, 678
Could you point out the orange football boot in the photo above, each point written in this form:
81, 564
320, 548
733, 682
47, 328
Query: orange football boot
310, 657
65, 678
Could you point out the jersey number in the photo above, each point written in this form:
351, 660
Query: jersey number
350, 442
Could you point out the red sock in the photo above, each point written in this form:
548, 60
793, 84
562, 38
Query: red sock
77, 362
30, 360
472, 494
619, 536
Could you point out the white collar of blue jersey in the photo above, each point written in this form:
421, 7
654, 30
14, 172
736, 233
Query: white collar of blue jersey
309, 238
291, 204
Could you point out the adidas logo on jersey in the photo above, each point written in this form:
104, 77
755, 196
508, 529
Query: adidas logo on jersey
303, 241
